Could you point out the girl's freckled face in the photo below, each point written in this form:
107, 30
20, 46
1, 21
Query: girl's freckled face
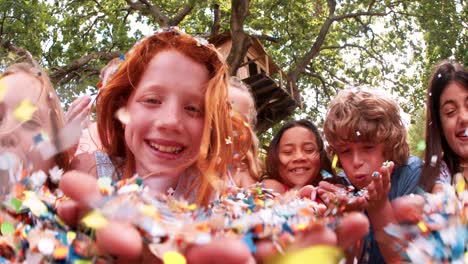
166, 114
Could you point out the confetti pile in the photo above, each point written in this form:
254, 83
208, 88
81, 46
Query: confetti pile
32, 232
168, 225
441, 235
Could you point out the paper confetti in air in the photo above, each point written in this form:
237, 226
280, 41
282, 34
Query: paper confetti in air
441, 235
7, 228
123, 116
94, 220
24, 111
174, 258
335, 161
421, 145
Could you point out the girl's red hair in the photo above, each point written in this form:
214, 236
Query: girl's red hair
219, 125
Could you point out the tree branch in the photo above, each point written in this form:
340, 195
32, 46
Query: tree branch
267, 38
314, 50
22, 53
240, 41
62, 75
216, 21
182, 13
146, 7
322, 81
3, 22
358, 14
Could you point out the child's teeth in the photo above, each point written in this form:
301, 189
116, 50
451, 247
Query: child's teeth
166, 148
299, 170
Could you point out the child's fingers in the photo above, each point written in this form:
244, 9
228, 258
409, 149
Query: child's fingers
359, 203
386, 172
307, 191
327, 186
80, 187
84, 191
408, 208
378, 185
353, 227
265, 249
77, 107
125, 244
223, 251
69, 212
371, 192
326, 196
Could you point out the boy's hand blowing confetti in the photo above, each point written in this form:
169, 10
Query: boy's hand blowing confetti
380, 185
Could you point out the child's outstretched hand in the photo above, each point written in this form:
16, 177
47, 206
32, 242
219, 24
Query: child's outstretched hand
78, 110
126, 243
350, 230
338, 196
408, 208
77, 113
379, 187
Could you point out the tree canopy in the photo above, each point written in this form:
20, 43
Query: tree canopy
322, 45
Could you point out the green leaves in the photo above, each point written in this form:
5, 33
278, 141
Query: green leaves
388, 44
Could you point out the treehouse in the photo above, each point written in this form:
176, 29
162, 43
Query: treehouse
274, 97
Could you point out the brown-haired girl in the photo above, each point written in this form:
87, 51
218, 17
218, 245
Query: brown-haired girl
296, 157
446, 126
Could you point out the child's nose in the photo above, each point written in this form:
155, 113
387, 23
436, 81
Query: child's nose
464, 115
170, 117
357, 160
298, 156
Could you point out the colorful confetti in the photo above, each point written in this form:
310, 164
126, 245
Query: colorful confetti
123, 116
441, 236
335, 161
24, 111
316, 254
174, 258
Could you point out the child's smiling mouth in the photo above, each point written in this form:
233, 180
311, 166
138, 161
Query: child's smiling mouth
462, 134
299, 170
169, 149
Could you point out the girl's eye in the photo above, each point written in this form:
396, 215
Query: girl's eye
31, 124
152, 101
309, 150
369, 147
194, 110
450, 112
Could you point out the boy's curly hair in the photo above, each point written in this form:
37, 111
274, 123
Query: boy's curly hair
367, 116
